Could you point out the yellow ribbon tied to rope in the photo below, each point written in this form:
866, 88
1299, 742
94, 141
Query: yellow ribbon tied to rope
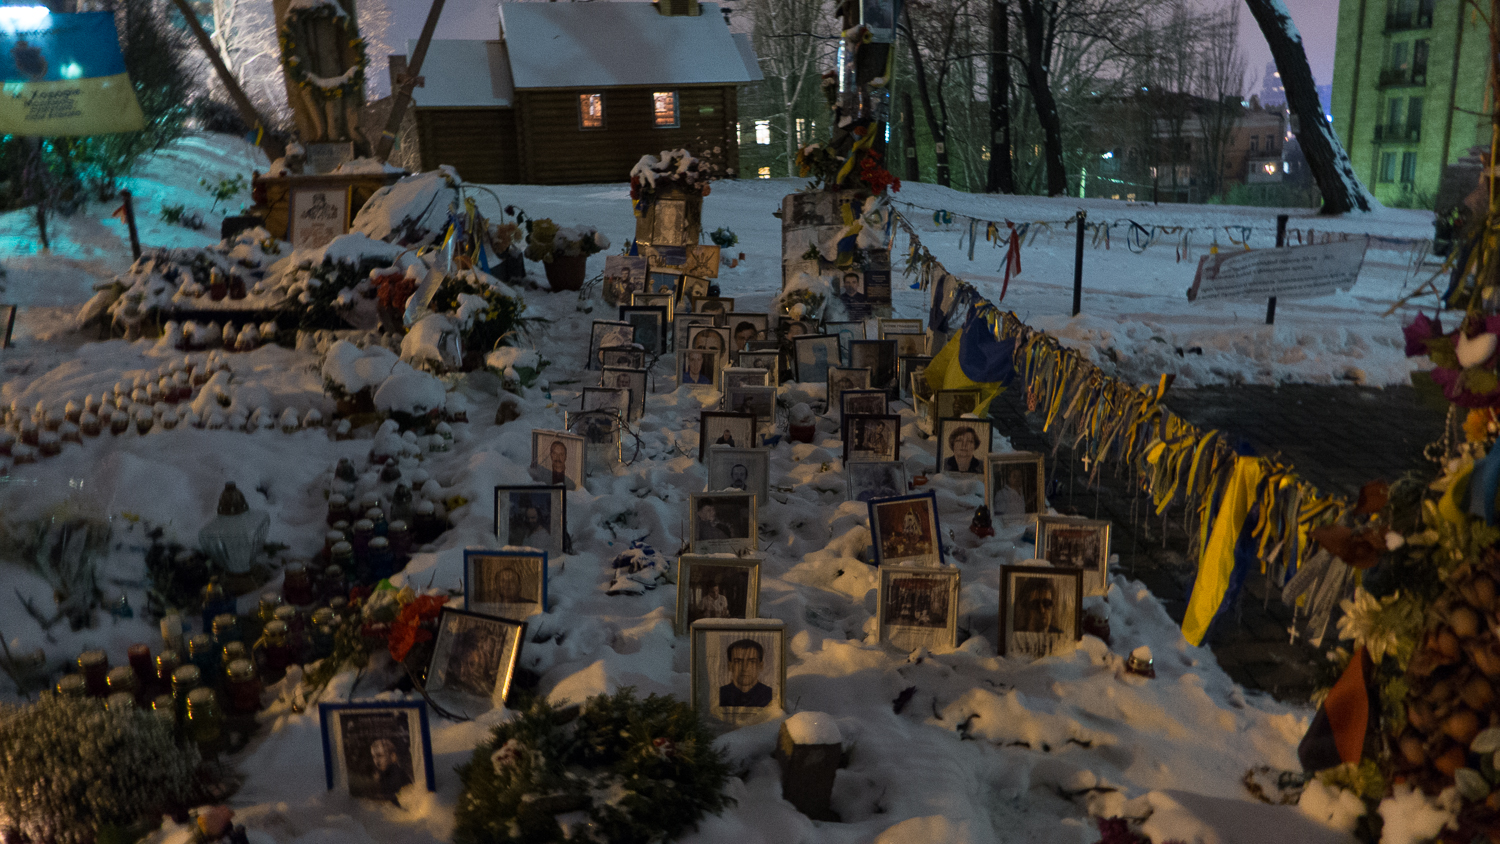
1217, 562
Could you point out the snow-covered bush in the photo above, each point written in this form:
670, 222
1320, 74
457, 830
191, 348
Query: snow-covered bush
546, 240
486, 311
72, 768
641, 770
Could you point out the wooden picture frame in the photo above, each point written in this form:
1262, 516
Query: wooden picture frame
317, 215
505, 584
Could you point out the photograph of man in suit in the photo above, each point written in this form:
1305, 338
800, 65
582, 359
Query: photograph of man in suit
746, 659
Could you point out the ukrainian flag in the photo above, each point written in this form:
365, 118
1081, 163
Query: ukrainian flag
976, 359
62, 74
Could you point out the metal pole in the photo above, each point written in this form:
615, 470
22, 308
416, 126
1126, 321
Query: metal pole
1082, 219
135, 237
1280, 242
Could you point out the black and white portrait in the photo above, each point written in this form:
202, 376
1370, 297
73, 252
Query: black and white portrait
765, 359
760, 401
866, 402
815, 355
745, 329
723, 522
531, 517
739, 670
375, 750
608, 399
948, 403
871, 437
557, 458
878, 356
508, 584
716, 587
718, 306
631, 380
739, 470
608, 333
650, 325
866, 480
918, 608
625, 357
842, 379
683, 324
601, 437
1040, 610
715, 427
1015, 481
1071, 542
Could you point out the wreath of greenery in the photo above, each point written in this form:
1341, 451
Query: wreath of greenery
501, 318
292, 65
642, 770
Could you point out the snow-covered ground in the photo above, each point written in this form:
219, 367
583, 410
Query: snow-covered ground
988, 748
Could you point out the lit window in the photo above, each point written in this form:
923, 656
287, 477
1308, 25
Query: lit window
764, 172
801, 131
762, 131
664, 105
591, 111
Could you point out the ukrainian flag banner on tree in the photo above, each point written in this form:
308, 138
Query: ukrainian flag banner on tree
63, 75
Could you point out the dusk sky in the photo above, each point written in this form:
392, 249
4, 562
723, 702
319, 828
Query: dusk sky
1317, 19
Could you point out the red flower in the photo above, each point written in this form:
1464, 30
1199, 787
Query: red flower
876, 176
409, 627
394, 289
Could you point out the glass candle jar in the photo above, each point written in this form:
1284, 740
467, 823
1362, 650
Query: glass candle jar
275, 649
205, 723
364, 531
321, 634
227, 628
242, 687
269, 603
120, 702
216, 602
234, 651
167, 663
72, 685
399, 536
376, 517
139, 657
184, 680
121, 679
94, 664
163, 709
297, 585
333, 583
338, 509
203, 652
381, 561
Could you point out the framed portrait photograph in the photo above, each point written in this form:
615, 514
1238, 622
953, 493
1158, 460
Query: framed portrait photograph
624, 277
1072, 542
1013, 485
922, 409
695, 287
657, 300
659, 280
632, 380
317, 216
963, 445
374, 749
889, 328
683, 324
790, 329
600, 430
867, 480
768, 360
738, 670
607, 333
698, 368
532, 517
847, 332
741, 376
724, 427
865, 402
909, 368
1041, 610
745, 329
669, 254
625, 357
842, 378
608, 399
508, 584
723, 523
650, 322
872, 437
815, 355
878, 356
905, 530
718, 306
716, 587
473, 660
908, 345
917, 608
709, 338
759, 402
739, 470
948, 403
557, 459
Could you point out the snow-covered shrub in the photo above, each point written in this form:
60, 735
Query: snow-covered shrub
486, 311
64, 548
642, 770
546, 240
72, 768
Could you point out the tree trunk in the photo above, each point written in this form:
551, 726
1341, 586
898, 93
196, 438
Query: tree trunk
1001, 176
1033, 26
909, 137
935, 126
1326, 158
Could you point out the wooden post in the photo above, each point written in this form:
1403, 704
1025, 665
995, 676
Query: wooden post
135, 236
273, 147
807, 774
1280, 242
401, 97
10, 327
1082, 220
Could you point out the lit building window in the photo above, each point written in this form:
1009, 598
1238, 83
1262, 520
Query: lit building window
801, 131
762, 131
591, 111
664, 105
764, 172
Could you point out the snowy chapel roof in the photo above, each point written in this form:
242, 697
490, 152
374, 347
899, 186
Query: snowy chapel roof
450, 79
581, 45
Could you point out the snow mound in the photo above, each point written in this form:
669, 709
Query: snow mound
813, 728
412, 210
410, 391
352, 369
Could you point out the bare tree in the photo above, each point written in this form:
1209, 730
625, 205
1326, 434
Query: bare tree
244, 31
1326, 158
1221, 83
794, 40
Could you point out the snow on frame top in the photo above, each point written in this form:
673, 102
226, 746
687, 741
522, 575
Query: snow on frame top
573, 45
